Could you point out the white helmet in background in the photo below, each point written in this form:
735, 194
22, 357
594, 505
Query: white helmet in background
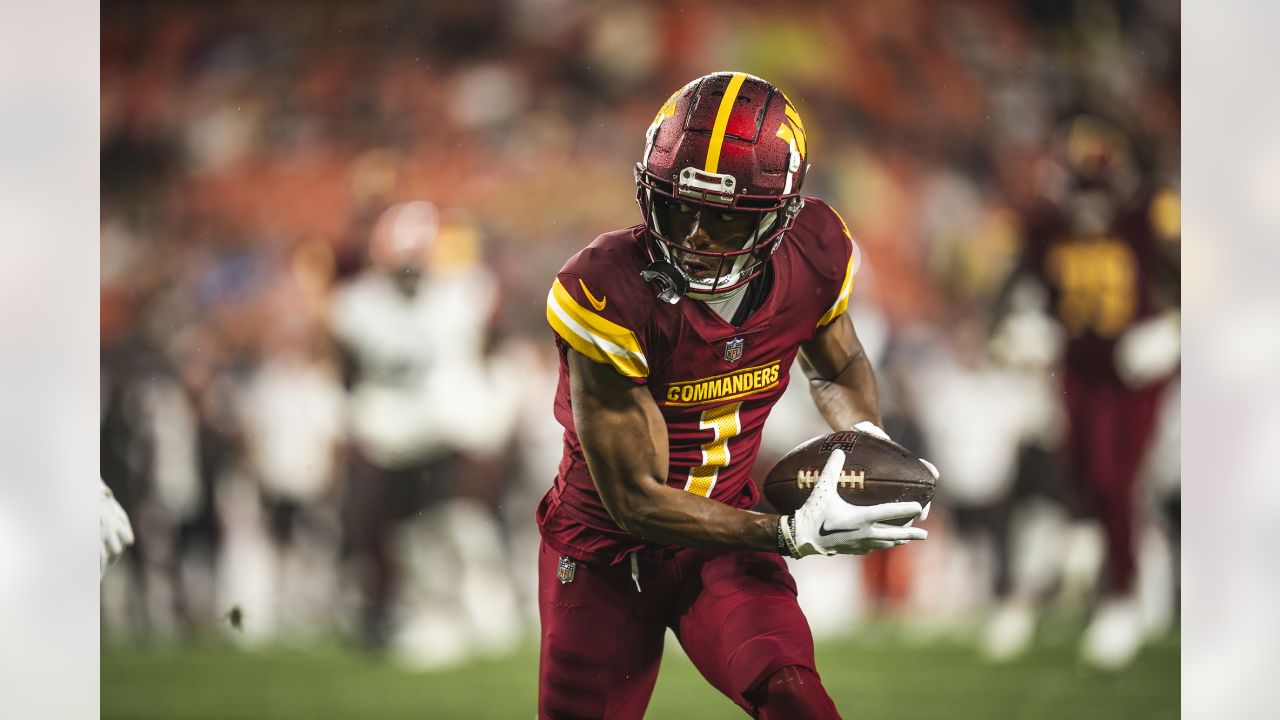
403, 235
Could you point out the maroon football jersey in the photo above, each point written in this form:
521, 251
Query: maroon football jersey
1100, 285
715, 384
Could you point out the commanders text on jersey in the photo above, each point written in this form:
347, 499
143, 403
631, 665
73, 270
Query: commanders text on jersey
724, 387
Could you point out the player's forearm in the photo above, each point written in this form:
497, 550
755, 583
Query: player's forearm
665, 515
841, 380
850, 397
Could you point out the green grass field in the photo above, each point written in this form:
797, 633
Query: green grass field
868, 677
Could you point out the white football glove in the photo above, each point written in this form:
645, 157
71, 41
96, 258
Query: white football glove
924, 514
871, 428
827, 525
1149, 350
117, 533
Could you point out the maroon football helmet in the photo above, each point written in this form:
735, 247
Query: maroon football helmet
733, 144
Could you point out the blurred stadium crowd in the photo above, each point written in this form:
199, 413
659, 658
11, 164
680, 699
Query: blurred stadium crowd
328, 230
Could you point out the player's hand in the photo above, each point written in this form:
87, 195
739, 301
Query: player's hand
827, 525
1150, 350
117, 533
871, 428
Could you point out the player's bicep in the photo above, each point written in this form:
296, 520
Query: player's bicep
831, 350
623, 435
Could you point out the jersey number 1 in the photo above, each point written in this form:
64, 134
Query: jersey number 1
724, 422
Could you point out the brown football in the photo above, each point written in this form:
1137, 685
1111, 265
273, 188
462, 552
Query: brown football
875, 471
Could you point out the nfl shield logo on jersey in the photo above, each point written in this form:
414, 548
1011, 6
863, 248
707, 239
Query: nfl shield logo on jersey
566, 570
733, 350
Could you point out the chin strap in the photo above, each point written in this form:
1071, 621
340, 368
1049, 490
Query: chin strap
671, 283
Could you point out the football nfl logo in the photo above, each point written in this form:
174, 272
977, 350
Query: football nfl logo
733, 350
565, 570
843, 440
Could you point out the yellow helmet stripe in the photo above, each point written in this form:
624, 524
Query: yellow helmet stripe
801, 136
594, 336
722, 121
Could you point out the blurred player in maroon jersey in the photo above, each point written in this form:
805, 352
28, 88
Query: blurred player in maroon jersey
1106, 249
676, 337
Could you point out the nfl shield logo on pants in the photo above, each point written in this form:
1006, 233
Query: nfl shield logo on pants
566, 570
733, 350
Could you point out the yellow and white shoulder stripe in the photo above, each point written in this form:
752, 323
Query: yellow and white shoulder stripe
594, 336
855, 261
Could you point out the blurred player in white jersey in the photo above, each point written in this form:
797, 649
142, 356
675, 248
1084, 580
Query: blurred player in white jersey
292, 407
413, 327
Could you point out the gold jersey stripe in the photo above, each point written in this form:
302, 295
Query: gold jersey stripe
595, 337
615, 334
722, 121
842, 301
595, 348
843, 224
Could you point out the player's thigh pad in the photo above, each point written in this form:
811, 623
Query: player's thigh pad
740, 622
601, 644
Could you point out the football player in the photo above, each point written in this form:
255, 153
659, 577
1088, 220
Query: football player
676, 337
414, 328
1106, 248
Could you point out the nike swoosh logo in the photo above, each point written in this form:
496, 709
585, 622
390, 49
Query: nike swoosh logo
822, 531
597, 304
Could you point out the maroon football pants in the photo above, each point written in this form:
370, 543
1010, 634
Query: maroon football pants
1109, 431
734, 613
